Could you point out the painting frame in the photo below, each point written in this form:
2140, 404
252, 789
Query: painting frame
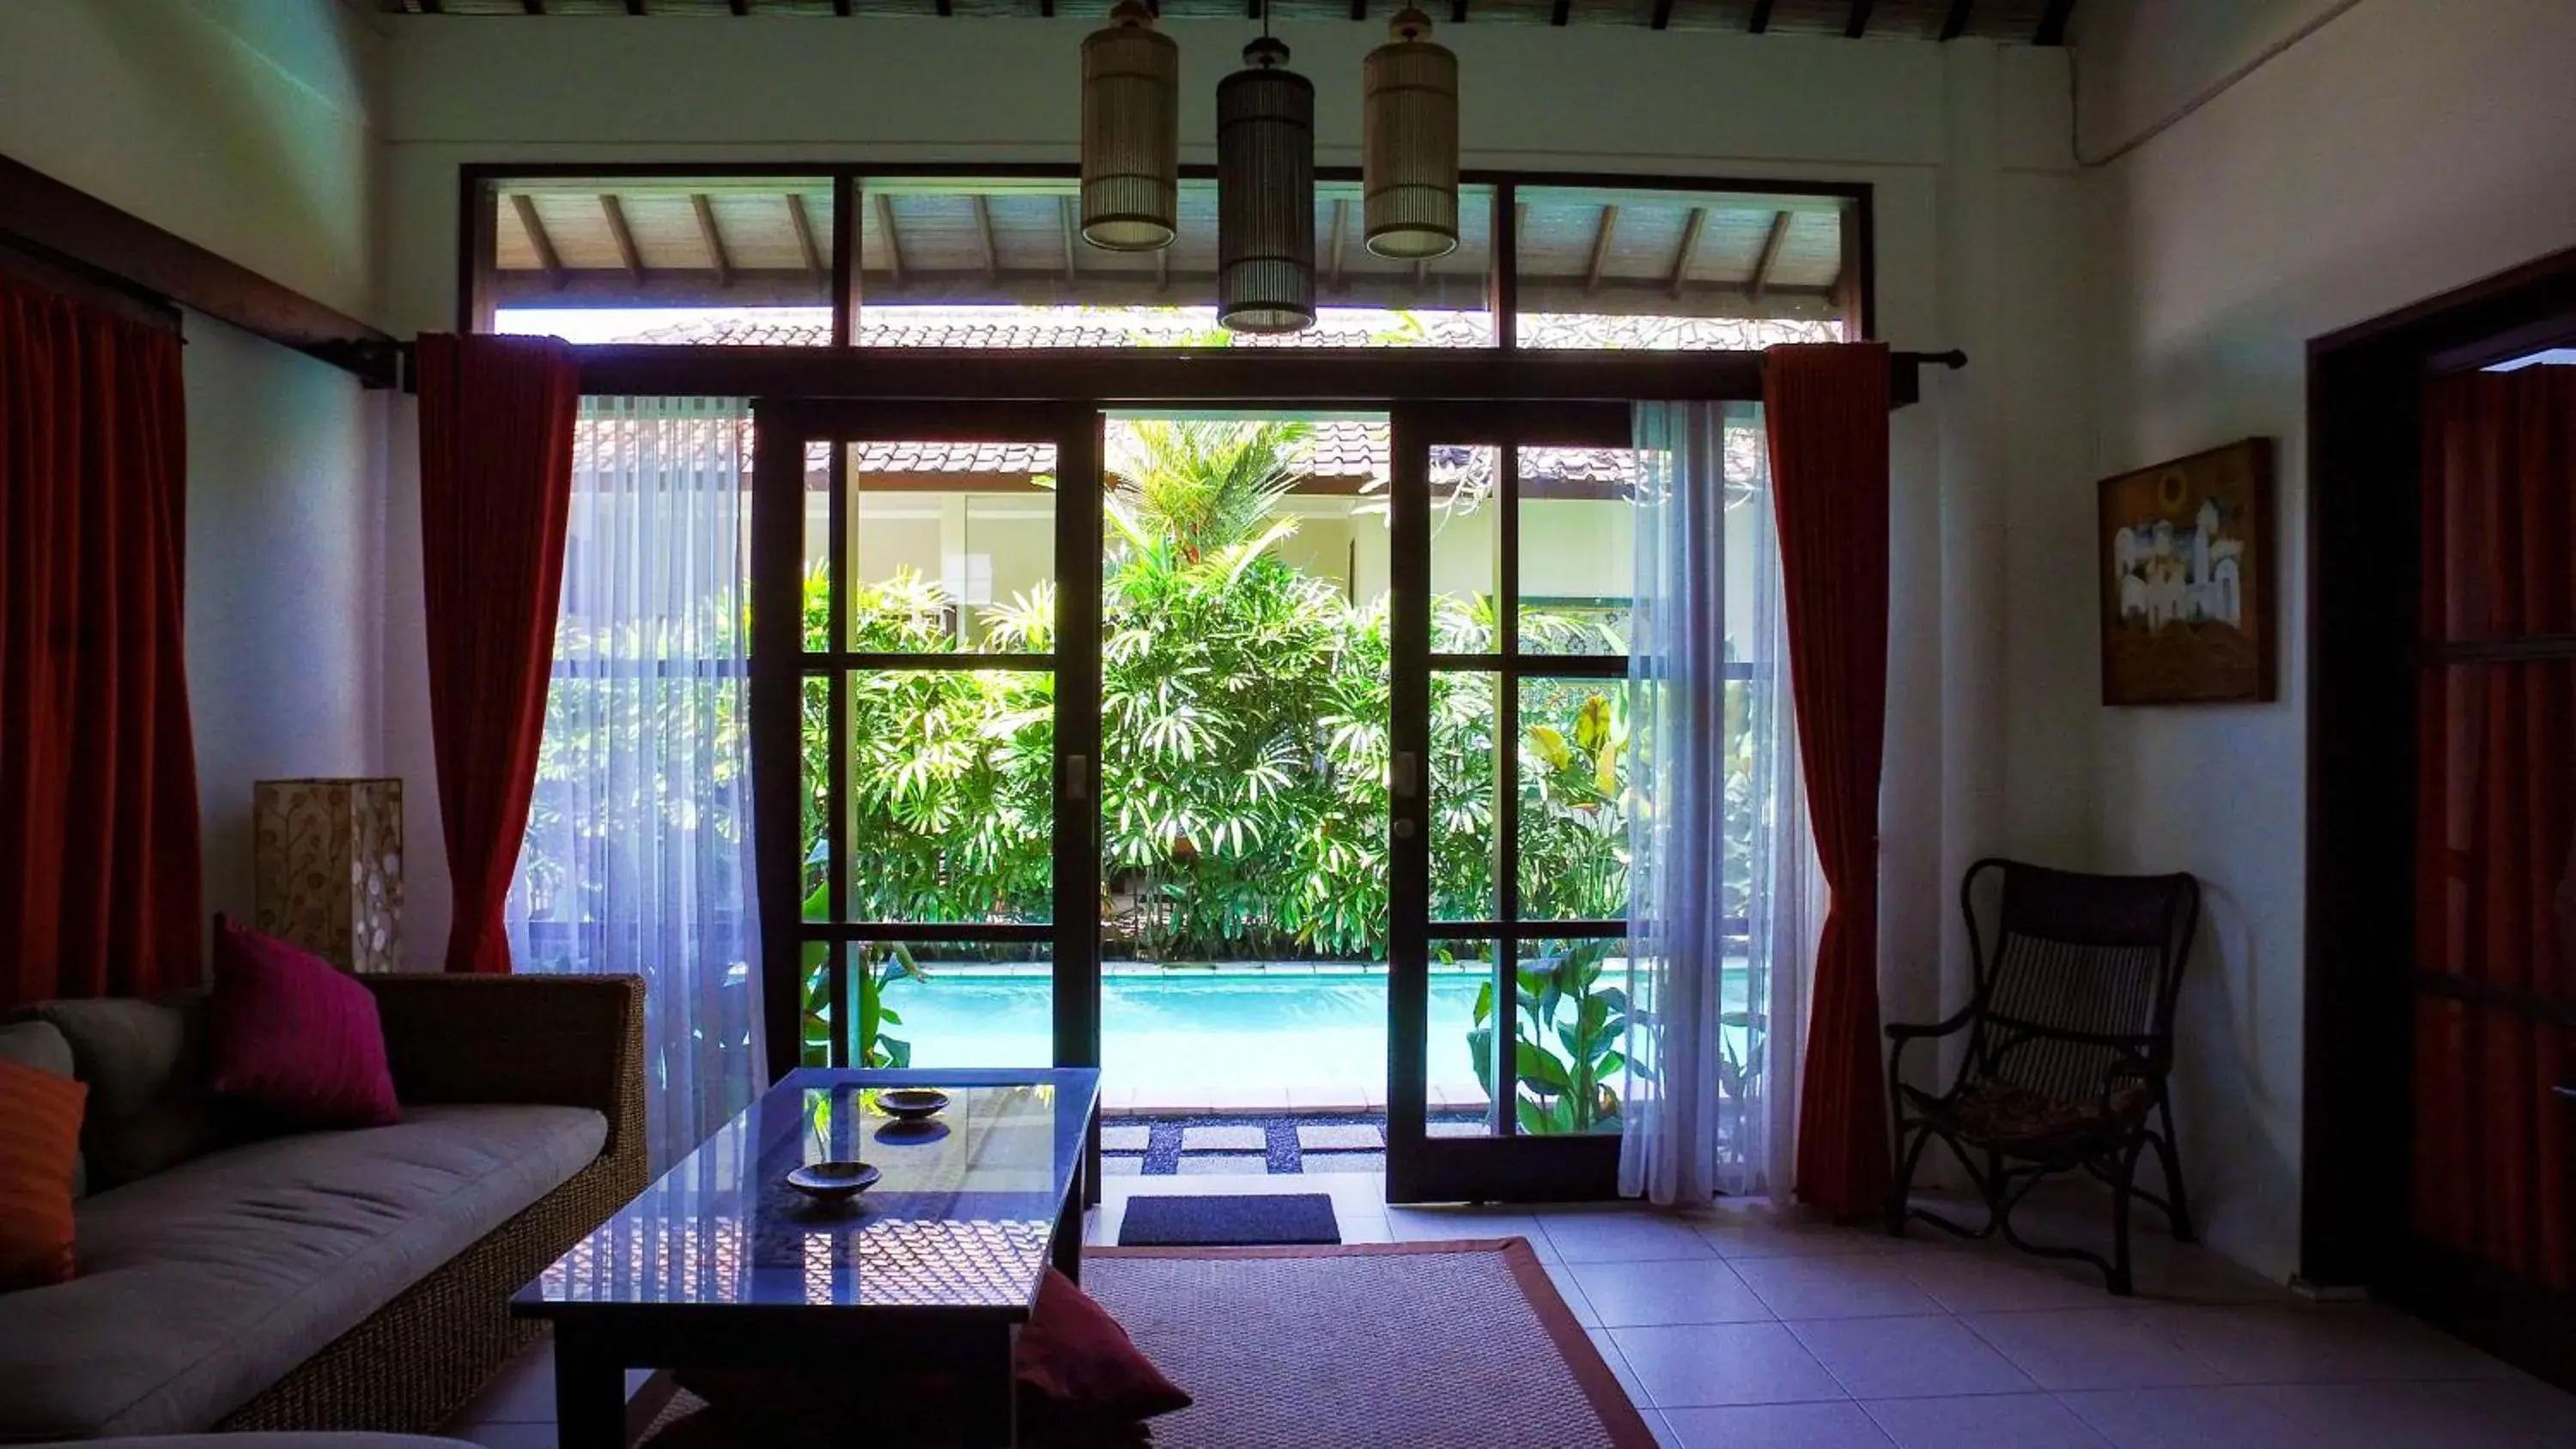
2184, 556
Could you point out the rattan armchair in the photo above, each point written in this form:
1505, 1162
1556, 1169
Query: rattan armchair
2069, 1048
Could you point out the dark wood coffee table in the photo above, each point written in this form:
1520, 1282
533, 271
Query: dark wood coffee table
721, 1265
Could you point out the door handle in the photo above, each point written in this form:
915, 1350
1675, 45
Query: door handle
1077, 777
1406, 769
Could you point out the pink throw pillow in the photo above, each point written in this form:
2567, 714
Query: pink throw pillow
295, 1037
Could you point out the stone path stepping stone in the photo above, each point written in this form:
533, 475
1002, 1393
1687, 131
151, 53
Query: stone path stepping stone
1348, 1138
1135, 1138
1115, 1166
1225, 1139
1207, 1163
1340, 1162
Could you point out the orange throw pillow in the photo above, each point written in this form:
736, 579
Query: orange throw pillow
40, 1122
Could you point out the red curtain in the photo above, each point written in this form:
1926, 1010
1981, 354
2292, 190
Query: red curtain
98, 772
496, 427
2495, 840
1825, 405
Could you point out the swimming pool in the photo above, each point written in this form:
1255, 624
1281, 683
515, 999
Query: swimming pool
1182, 1037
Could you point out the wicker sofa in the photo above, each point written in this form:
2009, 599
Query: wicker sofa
326, 1280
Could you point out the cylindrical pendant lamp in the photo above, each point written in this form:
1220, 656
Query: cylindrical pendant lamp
1409, 125
1131, 133
1265, 194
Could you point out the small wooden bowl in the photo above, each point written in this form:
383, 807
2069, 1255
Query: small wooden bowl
833, 1181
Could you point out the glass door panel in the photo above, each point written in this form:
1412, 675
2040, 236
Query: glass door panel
918, 718
1511, 540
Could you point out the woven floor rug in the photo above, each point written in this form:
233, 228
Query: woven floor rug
1463, 1345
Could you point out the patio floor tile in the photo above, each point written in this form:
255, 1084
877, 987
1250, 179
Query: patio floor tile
1346, 1162
1133, 1138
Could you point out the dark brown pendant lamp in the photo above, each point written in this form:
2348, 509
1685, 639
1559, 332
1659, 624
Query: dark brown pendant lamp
1410, 156
1131, 133
1265, 193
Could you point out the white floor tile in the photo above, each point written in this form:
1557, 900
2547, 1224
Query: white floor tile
521, 1392
1618, 1362
2390, 1416
2342, 1343
1853, 1285
2184, 1418
1440, 1224
1634, 1295
1994, 1280
1622, 1237
1723, 1363
2091, 1348
1759, 1231
1362, 1227
1903, 1358
1571, 1290
1776, 1426
1988, 1421
2540, 1410
507, 1436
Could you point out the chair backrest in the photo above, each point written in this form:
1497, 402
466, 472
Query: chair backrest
2083, 970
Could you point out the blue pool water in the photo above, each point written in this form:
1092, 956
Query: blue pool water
1176, 1036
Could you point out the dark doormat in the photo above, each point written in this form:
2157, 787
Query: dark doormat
1155, 1220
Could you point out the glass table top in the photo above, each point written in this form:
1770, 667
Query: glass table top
962, 1218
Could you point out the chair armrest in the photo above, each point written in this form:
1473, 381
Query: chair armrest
572, 1041
2130, 1068
1901, 1034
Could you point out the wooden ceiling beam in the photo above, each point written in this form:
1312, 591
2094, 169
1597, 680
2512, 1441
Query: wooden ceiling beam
634, 7
1761, 17
620, 233
1457, 12
533, 7
2052, 23
547, 259
984, 234
1689, 251
721, 264
1359, 9
1601, 247
804, 223
742, 7
1770, 258
430, 7
1858, 25
893, 238
1563, 14
1663, 15
1955, 24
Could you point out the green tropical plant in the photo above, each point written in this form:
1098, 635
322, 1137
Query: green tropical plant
1567, 1052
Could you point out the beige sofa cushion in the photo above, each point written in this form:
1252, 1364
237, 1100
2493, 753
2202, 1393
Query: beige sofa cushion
145, 1063
204, 1284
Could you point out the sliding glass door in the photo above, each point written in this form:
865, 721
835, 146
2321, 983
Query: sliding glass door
925, 715
1513, 546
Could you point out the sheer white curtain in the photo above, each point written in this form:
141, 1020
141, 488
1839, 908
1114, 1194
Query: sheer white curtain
639, 849
1724, 912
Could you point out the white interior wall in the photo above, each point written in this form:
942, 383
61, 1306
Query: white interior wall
2405, 148
245, 126
285, 598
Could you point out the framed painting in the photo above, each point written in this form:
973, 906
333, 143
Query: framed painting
2187, 585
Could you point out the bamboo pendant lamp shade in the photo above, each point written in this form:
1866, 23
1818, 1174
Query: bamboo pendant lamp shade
1131, 133
1409, 126
1265, 167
